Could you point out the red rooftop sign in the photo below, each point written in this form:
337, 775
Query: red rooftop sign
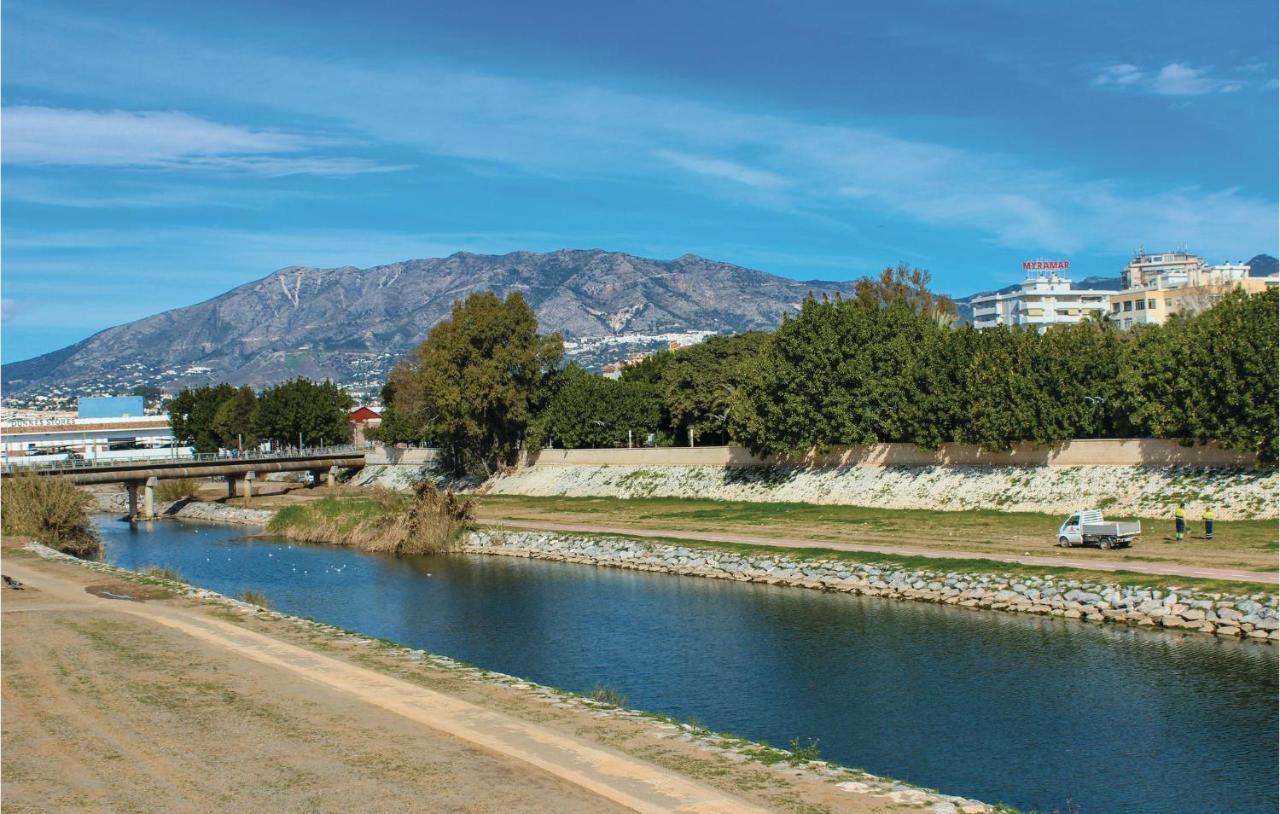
1045, 265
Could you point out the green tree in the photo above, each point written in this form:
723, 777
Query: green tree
1233, 392
304, 412
394, 428
1006, 403
472, 387
1209, 377
906, 284
192, 413
840, 372
698, 382
592, 411
236, 420
650, 369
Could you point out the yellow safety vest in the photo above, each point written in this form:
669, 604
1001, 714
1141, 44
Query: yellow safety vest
1208, 515
1180, 512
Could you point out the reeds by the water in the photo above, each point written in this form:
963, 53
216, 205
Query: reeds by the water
431, 521
51, 510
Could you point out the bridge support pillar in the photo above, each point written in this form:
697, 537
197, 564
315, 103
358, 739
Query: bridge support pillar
231, 485
132, 488
333, 476
149, 499
249, 478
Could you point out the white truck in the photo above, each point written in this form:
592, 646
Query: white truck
1083, 528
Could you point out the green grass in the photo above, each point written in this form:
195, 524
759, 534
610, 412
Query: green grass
1240, 544
657, 508
344, 512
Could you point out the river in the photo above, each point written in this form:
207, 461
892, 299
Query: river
1041, 714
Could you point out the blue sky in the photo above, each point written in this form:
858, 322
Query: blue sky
157, 154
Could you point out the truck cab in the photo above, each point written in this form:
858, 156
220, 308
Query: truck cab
1070, 532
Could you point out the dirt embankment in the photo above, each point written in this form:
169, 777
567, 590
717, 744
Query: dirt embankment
189, 703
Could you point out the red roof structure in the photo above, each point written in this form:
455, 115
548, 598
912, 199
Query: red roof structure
363, 414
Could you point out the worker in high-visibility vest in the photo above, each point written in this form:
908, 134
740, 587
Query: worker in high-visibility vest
1180, 520
1207, 517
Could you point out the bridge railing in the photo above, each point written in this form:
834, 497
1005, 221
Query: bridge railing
80, 464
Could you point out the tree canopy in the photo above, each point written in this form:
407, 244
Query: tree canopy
225, 417
886, 365
472, 387
591, 411
304, 413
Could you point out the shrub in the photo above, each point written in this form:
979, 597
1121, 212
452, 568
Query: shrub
608, 695
51, 510
161, 572
256, 598
434, 521
168, 491
803, 752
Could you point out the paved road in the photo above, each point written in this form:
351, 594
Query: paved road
1084, 562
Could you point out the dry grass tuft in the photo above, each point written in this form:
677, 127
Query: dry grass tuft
168, 491
161, 572
52, 510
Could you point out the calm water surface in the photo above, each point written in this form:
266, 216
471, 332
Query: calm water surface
1041, 714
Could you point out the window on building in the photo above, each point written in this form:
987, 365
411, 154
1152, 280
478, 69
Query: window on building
1141, 305
1115, 307
1151, 304
1128, 305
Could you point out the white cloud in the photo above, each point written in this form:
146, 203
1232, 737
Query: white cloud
164, 139
722, 168
837, 171
1174, 79
1123, 74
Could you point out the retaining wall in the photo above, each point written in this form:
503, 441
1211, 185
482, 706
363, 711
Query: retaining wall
394, 456
1251, 616
1089, 452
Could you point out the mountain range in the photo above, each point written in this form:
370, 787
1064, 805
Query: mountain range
352, 324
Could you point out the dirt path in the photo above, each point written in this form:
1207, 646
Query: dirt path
795, 542
495, 758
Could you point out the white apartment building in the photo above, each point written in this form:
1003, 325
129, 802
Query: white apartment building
1175, 268
1045, 298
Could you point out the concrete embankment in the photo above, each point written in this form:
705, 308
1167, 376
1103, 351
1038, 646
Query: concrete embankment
1234, 493
1252, 616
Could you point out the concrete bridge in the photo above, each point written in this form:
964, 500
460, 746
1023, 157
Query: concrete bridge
143, 474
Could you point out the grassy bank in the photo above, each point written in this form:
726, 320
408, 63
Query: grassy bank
429, 521
1241, 544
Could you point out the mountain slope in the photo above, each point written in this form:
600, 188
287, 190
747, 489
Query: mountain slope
352, 324
1263, 265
